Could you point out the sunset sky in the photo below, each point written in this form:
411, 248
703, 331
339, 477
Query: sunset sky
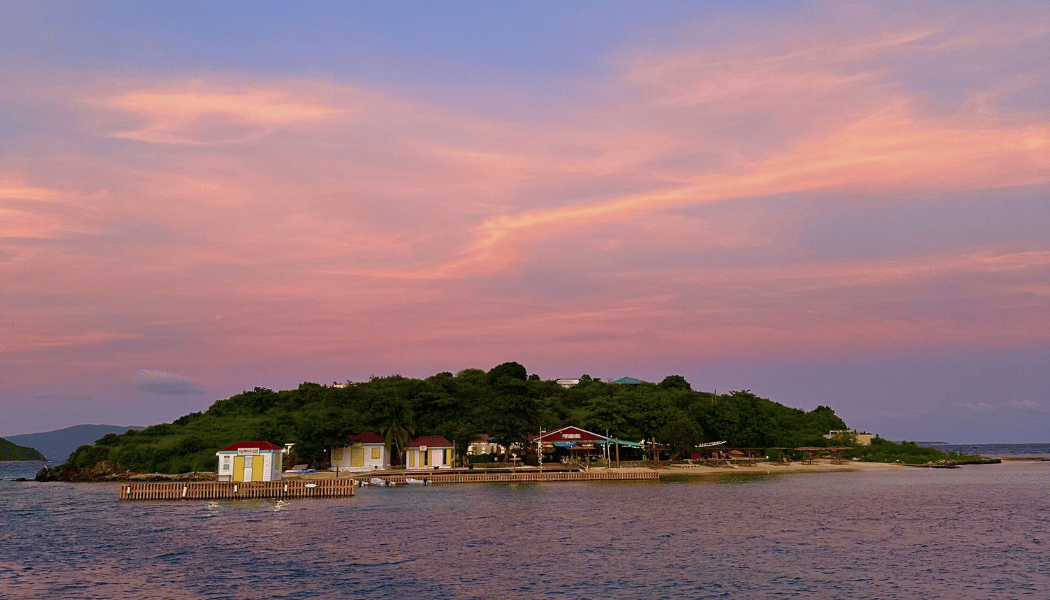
834, 203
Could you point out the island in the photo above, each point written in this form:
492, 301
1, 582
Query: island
487, 417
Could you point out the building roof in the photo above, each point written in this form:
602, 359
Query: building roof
569, 434
245, 445
365, 437
430, 441
629, 380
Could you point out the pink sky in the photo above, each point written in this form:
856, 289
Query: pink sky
839, 190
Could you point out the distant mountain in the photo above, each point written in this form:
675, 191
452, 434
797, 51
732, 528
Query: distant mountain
12, 451
59, 444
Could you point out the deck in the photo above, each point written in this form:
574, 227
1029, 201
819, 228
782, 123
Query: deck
237, 490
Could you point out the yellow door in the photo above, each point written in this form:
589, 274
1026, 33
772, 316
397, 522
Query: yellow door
257, 468
238, 468
357, 456
411, 458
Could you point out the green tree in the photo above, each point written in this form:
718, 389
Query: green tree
508, 369
675, 382
399, 426
682, 435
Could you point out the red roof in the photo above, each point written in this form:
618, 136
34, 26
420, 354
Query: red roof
258, 445
365, 437
570, 434
430, 441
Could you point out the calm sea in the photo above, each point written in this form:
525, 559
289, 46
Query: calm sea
995, 450
974, 532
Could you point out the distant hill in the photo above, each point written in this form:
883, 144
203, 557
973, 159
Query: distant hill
12, 451
59, 444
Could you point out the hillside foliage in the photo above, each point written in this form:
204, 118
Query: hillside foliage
12, 451
503, 402
908, 453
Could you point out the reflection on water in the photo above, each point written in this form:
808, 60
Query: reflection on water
976, 532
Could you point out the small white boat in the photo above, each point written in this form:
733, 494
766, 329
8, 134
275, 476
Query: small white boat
411, 481
378, 482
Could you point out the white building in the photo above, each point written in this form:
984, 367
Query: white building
862, 439
430, 452
365, 451
250, 461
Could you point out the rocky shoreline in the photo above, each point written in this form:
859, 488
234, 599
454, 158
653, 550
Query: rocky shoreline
112, 472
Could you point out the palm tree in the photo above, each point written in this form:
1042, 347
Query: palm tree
399, 427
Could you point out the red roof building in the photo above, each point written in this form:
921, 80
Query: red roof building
430, 441
568, 434
366, 437
365, 451
250, 461
569, 440
430, 452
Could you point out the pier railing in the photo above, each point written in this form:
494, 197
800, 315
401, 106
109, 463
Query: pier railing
237, 490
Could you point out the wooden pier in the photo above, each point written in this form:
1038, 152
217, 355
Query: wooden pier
436, 478
238, 490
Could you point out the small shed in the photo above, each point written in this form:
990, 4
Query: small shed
430, 452
365, 451
250, 461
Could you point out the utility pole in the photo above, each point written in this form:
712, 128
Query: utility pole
539, 449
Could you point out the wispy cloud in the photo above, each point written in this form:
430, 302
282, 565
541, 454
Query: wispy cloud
21, 337
199, 114
165, 384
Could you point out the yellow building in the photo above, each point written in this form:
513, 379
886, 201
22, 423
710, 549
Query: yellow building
250, 461
429, 452
365, 451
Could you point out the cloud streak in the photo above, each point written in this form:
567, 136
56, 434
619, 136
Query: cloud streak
165, 384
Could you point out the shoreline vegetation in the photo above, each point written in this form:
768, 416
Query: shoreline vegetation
10, 451
505, 403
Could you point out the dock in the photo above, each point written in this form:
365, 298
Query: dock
437, 478
238, 490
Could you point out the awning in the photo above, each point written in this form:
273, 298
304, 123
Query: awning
624, 443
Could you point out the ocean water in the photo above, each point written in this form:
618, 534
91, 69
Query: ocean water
996, 450
974, 532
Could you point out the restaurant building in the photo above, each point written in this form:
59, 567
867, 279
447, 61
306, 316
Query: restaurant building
571, 442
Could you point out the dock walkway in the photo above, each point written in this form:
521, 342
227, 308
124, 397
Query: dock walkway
237, 490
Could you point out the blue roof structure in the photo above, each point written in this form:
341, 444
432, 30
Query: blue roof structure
629, 381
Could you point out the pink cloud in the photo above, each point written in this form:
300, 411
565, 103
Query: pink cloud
196, 113
329, 222
20, 337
